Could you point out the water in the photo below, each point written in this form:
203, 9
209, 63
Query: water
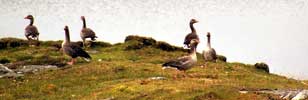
243, 30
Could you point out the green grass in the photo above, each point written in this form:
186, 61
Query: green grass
125, 74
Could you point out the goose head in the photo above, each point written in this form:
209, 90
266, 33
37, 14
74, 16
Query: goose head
194, 42
65, 28
29, 17
208, 34
192, 21
82, 18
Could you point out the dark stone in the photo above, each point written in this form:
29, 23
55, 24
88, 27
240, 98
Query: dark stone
262, 66
221, 58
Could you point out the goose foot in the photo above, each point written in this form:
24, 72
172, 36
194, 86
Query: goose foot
71, 62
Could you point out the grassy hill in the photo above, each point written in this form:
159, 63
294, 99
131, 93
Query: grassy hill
124, 71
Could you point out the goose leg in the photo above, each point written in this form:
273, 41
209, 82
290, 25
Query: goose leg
176, 75
71, 62
37, 41
75, 60
28, 38
184, 74
84, 42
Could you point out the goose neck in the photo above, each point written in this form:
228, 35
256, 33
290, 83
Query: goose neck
193, 30
84, 23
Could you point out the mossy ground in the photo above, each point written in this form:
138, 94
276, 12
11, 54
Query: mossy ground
125, 74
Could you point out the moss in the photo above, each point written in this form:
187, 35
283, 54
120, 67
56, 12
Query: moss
47, 60
144, 40
55, 44
12, 42
134, 58
167, 47
262, 66
23, 57
100, 44
134, 45
3, 45
137, 42
208, 96
4, 60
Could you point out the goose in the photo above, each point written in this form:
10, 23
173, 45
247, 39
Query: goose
72, 49
186, 62
192, 35
86, 32
209, 54
31, 31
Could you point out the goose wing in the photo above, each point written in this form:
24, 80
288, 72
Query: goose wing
189, 37
31, 30
75, 50
213, 54
178, 63
87, 33
209, 55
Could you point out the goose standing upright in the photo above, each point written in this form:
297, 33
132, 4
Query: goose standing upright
72, 49
209, 54
186, 62
31, 31
86, 32
192, 35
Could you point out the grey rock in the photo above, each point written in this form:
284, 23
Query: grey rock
301, 95
6, 72
4, 69
284, 94
11, 74
158, 78
35, 68
290, 95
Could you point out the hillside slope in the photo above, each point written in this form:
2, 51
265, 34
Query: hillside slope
129, 71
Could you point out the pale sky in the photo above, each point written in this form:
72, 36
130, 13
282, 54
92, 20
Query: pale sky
249, 31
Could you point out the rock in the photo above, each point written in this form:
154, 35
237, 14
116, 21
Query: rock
35, 68
93, 51
262, 66
222, 58
111, 98
6, 72
99, 60
289, 95
158, 78
301, 95
4, 69
243, 92
284, 94
11, 75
